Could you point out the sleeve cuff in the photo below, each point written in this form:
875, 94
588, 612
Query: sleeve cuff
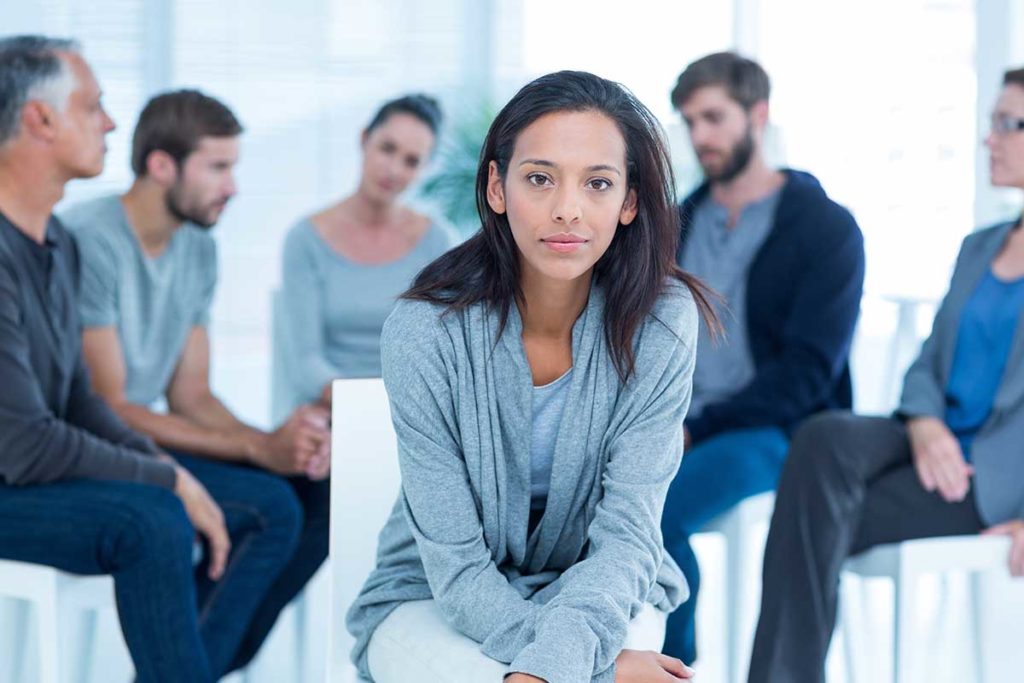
157, 473
91, 318
908, 410
563, 650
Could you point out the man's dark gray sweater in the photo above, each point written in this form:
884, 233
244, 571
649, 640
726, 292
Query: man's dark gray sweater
52, 427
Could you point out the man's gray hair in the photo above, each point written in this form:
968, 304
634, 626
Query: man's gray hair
31, 69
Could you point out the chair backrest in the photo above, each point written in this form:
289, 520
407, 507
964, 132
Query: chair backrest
283, 399
365, 482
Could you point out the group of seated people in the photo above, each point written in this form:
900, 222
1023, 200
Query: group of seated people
577, 388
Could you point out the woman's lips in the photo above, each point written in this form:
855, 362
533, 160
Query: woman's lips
564, 243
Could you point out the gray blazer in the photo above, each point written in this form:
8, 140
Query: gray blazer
998, 449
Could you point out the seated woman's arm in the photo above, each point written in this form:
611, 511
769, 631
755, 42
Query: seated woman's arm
303, 293
440, 507
588, 618
924, 392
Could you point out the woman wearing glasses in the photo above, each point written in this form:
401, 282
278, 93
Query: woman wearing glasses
949, 462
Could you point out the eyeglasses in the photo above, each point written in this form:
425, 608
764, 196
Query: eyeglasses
1004, 124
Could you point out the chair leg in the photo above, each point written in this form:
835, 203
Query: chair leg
86, 644
977, 626
904, 662
740, 610
301, 624
48, 636
734, 600
728, 600
21, 616
849, 624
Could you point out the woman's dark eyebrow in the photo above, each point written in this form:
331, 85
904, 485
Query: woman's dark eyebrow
590, 169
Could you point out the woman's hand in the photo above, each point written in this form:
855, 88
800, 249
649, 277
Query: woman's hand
1015, 530
645, 666
938, 459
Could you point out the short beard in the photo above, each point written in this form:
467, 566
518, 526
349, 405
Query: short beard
739, 158
174, 207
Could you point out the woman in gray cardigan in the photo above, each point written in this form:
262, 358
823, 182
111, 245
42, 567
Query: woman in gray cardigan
538, 376
950, 462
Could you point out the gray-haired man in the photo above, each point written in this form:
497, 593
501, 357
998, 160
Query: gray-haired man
79, 490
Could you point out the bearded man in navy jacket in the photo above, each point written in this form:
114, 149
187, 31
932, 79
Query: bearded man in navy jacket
789, 264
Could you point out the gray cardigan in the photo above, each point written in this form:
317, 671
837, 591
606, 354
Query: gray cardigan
555, 603
998, 449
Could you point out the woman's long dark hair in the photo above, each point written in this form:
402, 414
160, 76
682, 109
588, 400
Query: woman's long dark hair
640, 260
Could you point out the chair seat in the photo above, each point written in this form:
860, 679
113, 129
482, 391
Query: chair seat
754, 509
26, 580
942, 554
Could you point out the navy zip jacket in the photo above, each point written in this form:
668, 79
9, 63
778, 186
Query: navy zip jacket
803, 298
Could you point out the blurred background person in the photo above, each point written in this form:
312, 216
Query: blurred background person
789, 264
345, 266
149, 272
949, 462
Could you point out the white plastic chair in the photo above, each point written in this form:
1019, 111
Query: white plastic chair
905, 563
60, 601
365, 482
743, 555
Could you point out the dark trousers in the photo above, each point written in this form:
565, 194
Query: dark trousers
178, 625
306, 505
310, 553
848, 485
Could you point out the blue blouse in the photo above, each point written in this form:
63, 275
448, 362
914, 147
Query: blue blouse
984, 338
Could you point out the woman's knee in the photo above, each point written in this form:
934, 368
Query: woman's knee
821, 441
416, 642
827, 458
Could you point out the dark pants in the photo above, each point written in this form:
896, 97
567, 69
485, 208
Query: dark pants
848, 485
715, 475
310, 553
178, 625
307, 506
141, 536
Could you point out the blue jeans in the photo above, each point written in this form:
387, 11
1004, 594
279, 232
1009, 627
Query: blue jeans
716, 474
310, 552
178, 625
254, 499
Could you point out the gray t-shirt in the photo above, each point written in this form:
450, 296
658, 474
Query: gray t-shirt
721, 256
334, 308
153, 302
548, 405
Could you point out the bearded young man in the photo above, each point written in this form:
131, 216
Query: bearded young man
789, 264
149, 271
